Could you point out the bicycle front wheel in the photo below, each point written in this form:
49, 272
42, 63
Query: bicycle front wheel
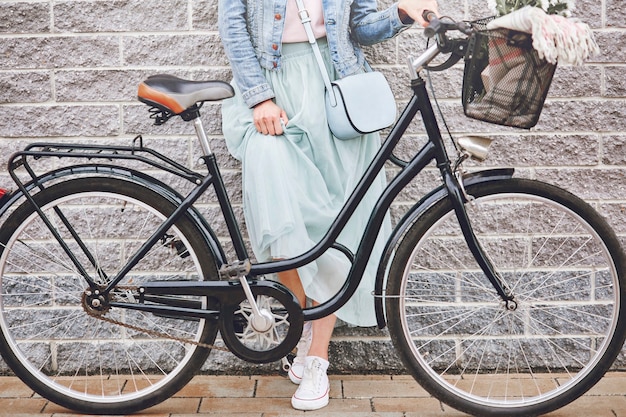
113, 360
565, 268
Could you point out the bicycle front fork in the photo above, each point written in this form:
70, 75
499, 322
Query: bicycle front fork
458, 197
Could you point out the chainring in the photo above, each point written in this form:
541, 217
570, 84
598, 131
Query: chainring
284, 314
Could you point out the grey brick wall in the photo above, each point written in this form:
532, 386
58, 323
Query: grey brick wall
69, 70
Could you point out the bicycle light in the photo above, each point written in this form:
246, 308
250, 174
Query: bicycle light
476, 146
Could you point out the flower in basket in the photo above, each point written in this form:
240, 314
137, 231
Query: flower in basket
558, 7
555, 36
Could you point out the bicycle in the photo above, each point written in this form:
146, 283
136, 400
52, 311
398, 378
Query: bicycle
114, 286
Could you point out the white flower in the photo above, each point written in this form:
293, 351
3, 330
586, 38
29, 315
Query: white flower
561, 7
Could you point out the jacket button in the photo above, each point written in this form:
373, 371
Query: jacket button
275, 47
277, 17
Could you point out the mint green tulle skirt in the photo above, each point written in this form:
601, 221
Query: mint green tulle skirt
295, 184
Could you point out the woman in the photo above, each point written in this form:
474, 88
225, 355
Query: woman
296, 175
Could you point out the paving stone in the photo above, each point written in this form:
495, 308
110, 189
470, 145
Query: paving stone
374, 388
12, 406
219, 387
593, 406
12, 387
269, 396
418, 406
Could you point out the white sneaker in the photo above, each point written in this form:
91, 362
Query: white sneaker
312, 394
297, 367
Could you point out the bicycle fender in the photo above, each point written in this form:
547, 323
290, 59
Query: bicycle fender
140, 178
410, 218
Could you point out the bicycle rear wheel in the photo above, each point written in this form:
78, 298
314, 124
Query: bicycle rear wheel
565, 268
49, 340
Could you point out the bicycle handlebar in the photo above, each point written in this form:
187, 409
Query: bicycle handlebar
437, 26
434, 24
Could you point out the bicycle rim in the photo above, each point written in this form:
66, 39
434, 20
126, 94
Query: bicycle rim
564, 331
70, 357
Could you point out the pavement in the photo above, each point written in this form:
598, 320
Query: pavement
269, 396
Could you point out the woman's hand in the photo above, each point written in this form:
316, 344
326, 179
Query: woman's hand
268, 118
415, 8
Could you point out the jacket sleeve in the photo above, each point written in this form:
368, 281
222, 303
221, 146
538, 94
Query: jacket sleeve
370, 26
247, 71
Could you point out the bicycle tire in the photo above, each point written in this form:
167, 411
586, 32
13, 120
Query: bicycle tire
50, 342
454, 333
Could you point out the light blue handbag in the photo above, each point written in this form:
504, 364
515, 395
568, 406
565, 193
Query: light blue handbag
355, 105
363, 103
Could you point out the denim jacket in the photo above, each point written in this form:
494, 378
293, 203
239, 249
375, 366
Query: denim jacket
251, 32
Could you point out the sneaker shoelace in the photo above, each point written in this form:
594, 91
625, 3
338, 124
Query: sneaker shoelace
313, 377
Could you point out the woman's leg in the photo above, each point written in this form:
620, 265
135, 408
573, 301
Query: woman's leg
322, 328
322, 332
313, 392
291, 280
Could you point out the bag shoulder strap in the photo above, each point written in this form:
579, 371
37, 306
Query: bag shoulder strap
306, 21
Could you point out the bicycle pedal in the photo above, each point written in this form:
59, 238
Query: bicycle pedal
285, 364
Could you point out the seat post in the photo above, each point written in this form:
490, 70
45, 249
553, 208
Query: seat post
204, 141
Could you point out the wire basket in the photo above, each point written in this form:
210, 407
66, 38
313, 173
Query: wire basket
505, 82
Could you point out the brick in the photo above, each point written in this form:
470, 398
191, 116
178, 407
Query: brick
544, 150
99, 85
587, 115
225, 414
59, 52
25, 17
383, 388
25, 87
371, 356
615, 13
576, 81
588, 11
377, 55
23, 406
456, 9
176, 50
612, 384
410, 406
448, 84
204, 15
586, 406
40, 122
615, 80
11, 387
607, 41
591, 184
245, 405
219, 387
615, 213
120, 15
614, 150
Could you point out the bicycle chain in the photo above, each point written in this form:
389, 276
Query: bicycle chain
92, 313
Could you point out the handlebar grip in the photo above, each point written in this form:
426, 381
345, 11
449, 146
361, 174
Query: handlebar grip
428, 15
434, 24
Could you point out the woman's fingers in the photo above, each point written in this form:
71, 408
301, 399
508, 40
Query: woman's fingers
269, 118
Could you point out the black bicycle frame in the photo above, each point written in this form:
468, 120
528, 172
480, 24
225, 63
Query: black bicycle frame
434, 149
